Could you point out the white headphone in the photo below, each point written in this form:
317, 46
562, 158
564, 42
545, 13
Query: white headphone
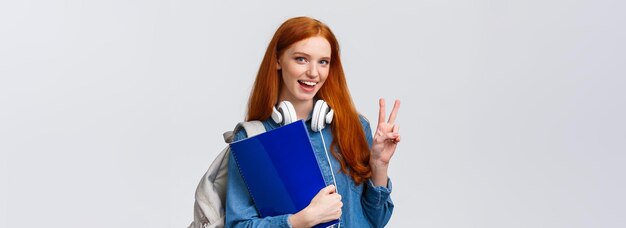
286, 114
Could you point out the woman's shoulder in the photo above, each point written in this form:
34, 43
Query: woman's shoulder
366, 128
364, 121
240, 132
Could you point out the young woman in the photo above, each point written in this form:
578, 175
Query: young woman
302, 72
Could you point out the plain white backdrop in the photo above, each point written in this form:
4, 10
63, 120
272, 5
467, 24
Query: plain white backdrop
512, 111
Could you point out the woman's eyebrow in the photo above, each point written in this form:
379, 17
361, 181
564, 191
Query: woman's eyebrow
302, 53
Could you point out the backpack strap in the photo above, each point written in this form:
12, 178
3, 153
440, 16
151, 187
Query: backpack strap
252, 128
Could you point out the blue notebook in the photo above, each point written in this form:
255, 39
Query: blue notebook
280, 170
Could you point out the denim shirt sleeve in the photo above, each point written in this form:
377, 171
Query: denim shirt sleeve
240, 209
376, 200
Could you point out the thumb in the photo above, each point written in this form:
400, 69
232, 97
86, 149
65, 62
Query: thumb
329, 189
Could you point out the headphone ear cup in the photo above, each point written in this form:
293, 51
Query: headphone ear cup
318, 120
329, 116
277, 116
288, 112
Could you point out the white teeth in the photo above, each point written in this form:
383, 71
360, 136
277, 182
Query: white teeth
309, 83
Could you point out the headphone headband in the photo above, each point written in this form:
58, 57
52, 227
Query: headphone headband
285, 114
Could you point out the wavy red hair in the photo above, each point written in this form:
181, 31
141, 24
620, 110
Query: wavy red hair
349, 145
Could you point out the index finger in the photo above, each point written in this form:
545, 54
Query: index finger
394, 112
381, 111
329, 189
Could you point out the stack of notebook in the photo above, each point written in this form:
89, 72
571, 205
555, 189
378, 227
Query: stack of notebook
280, 170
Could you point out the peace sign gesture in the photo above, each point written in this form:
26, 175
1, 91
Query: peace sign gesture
386, 137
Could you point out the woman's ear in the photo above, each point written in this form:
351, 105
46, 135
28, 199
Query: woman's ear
278, 65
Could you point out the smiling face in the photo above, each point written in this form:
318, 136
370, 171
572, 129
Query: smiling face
304, 68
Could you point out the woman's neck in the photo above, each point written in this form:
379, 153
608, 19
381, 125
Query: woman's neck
303, 108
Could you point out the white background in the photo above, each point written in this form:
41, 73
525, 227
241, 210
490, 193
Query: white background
512, 111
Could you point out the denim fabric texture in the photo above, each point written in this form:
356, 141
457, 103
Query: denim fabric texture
364, 205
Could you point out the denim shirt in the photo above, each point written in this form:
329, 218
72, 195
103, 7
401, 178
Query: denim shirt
364, 205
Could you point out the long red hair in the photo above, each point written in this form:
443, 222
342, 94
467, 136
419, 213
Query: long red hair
348, 136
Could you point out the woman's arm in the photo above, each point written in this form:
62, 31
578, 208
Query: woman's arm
377, 204
324, 207
376, 200
386, 138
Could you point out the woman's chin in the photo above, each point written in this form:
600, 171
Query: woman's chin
303, 97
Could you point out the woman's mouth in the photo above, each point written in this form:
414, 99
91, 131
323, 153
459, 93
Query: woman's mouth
307, 86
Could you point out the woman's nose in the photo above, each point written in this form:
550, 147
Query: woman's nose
312, 71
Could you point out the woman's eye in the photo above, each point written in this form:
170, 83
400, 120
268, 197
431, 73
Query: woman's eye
325, 62
300, 59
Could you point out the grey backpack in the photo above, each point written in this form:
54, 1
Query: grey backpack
209, 208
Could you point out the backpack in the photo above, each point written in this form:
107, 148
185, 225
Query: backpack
209, 208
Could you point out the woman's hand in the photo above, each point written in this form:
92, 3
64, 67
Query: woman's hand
386, 138
324, 207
